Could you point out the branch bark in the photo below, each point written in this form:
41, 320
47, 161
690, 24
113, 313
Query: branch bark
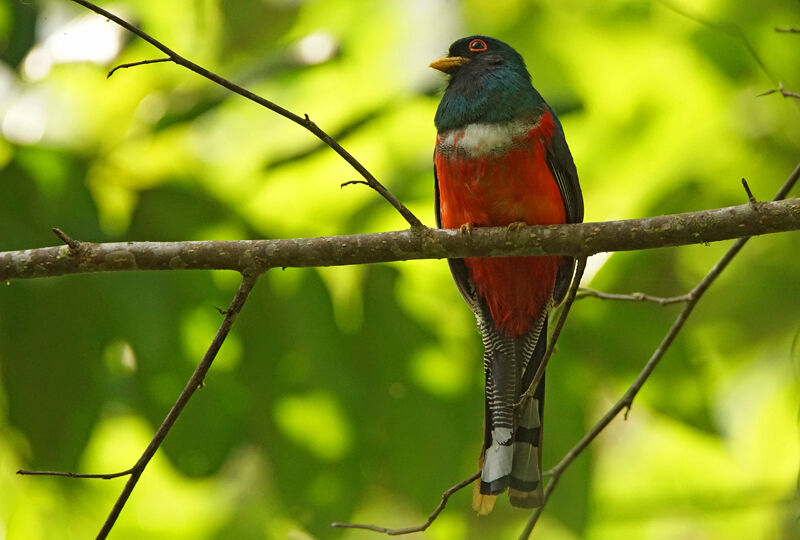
579, 240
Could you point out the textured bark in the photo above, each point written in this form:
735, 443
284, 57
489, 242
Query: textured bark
582, 239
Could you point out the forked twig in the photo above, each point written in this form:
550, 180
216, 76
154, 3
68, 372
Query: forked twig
626, 401
303, 121
782, 91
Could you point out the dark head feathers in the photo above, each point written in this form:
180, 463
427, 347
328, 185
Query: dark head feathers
489, 83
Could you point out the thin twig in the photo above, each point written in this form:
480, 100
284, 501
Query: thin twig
139, 63
731, 29
750, 197
303, 121
788, 30
626, 401
418, 528
784, 92
73, 244
585, 292
104, 476
195, 382
349, 182
573, 290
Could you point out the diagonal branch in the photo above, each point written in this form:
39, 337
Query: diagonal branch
195, 382
303, 121
733, 30
573, 289
578, 240
626, 401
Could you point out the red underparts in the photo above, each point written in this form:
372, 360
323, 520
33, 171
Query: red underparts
496, 190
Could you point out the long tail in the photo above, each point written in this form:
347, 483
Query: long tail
526, 471
511, 456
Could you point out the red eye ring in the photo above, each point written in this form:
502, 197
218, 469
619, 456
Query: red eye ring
477, 45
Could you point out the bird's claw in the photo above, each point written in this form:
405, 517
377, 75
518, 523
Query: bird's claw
515, 226
466, 229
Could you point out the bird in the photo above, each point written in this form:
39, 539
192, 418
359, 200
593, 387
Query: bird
501, 159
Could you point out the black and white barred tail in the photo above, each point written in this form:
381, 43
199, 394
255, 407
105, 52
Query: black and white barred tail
511, 456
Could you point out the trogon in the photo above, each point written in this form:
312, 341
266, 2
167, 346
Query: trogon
501, 159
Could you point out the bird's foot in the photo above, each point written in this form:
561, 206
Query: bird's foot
466, 229
514, 227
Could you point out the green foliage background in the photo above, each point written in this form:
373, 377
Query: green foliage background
354, 394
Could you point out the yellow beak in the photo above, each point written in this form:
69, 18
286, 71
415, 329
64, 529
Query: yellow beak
447, 63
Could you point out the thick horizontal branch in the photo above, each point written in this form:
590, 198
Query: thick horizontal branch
579, 240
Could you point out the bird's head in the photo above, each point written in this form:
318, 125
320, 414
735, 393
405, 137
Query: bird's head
488, 83
475, 56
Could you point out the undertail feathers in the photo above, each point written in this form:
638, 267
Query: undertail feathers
511, 456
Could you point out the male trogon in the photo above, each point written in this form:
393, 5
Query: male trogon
501, 159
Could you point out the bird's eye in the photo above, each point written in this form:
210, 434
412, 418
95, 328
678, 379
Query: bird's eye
477, 45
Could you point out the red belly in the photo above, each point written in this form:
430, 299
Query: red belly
496, 191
